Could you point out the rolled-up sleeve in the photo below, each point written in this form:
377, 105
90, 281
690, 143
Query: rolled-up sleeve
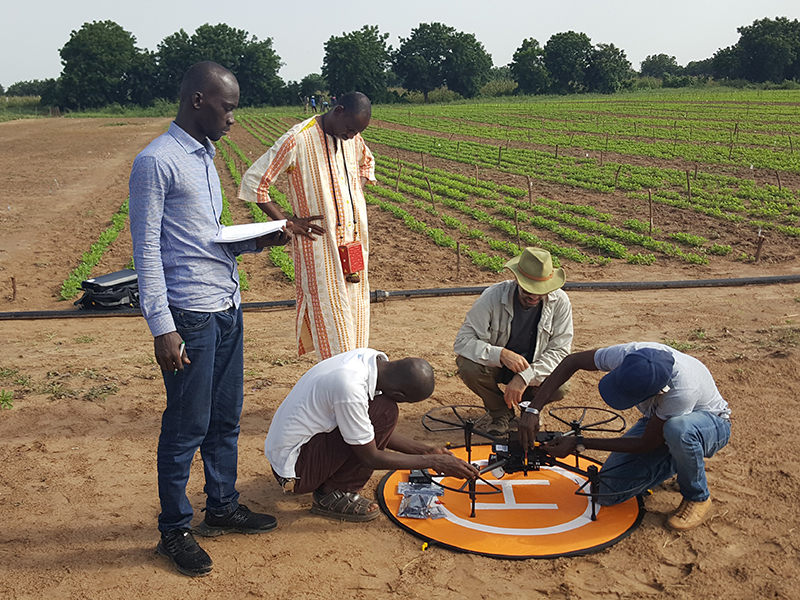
366, 162
260, 176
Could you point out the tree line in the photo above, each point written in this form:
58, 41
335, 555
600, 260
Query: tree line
101, 65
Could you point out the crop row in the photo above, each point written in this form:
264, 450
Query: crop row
551, 214
89, 259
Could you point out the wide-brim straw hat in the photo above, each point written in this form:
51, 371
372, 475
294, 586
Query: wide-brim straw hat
535, 273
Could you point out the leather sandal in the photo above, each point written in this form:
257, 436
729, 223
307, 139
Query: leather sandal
344, 506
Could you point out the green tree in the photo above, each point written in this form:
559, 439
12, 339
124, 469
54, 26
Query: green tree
528, 68
419, 61
140, 79
567, 56
257, 72
655, 65
467, 66
95, 61
699, 68
357, 61
174, 55
35, 87
254, 62
609, 69
770, 50
727, 63
313, 84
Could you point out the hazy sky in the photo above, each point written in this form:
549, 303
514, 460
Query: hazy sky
31, 33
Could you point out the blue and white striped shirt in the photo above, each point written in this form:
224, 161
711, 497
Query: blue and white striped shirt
175, 206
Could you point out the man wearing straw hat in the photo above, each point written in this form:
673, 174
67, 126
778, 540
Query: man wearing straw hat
515, 334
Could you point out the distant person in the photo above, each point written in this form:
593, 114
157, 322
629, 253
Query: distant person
324, 106
333, 100
514, 335
337, 425
328, 164
685, 420
313, 104
189, 293
305, 104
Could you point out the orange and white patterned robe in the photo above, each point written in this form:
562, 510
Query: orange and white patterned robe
332, 314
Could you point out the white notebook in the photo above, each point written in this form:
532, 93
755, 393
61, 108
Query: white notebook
248, 231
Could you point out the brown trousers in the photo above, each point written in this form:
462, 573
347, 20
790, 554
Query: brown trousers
327, 458
484, 380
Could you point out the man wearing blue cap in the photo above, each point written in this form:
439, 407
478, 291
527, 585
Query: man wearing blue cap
685, 420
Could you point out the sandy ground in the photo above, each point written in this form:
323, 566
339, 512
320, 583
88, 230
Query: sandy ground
78, 484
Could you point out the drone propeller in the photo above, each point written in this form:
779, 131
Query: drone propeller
606, 420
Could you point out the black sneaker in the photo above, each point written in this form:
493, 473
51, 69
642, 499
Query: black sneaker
189, 558
242, 520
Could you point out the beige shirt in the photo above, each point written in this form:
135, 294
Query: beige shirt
487, 327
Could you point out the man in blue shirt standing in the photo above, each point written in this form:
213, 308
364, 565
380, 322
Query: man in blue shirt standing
189, 293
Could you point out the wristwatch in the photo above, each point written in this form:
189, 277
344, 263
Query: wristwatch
533, 411
579, 447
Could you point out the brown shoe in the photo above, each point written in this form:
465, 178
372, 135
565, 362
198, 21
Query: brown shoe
499, 425
688, 515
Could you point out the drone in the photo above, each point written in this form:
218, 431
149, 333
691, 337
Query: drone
508, 456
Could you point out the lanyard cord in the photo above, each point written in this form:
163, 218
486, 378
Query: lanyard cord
333, 184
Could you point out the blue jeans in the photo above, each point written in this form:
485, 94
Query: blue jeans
689, 439
204, 403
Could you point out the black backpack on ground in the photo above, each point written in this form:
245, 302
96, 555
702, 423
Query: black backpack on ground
107, 292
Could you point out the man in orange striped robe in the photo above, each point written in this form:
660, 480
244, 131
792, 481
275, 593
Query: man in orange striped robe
327, 163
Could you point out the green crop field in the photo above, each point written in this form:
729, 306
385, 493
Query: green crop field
580, 176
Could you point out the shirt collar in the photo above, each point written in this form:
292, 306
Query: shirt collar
188, 143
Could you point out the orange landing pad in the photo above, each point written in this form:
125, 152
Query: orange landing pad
538, 516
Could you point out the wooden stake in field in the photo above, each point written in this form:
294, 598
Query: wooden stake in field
761, 239
778, 175
397, 183
791, 147
601, 158
499, 155
530, 191
688, 185
516, 226
13, 289
650, 200
430, 191
556, 150
616, 177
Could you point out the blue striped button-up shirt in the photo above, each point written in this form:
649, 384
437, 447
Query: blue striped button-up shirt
175, 206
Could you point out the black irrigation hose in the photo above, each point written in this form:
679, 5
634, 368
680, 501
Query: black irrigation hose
382, 296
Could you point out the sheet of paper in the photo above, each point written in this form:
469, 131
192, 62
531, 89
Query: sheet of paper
248, 231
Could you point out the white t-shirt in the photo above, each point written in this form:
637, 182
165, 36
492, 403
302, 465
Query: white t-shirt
692, 388
334, 393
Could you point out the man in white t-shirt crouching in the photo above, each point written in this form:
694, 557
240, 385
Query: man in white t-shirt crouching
333, 429
685, 420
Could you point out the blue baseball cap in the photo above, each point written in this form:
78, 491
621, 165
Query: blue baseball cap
642, 374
